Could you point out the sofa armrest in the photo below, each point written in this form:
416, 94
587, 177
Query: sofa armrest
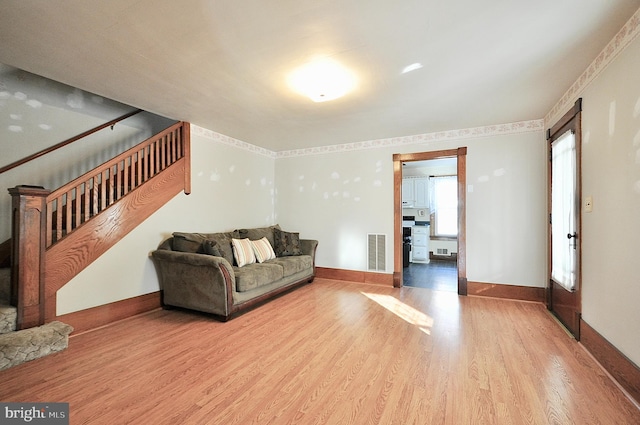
195, 281
308, 247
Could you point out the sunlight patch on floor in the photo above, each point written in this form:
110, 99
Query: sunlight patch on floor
403, 311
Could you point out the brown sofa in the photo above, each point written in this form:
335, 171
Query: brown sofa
200, 271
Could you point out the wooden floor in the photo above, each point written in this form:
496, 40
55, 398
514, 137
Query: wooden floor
330, 353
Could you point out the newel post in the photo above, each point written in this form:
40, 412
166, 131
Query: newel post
28, 209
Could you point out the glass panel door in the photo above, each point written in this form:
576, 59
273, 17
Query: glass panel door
563, 211
564, 282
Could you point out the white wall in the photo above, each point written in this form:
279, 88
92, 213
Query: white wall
231, 188
611, 175
339, 197
507, 210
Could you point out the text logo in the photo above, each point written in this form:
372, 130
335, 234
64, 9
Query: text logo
34, 413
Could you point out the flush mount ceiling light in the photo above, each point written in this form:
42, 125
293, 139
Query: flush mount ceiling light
322, 80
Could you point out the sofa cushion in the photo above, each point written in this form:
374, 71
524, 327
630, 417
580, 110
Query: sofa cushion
293, 264
187, 242
243, 252
258, 233
286, 243
263, 250
255, 275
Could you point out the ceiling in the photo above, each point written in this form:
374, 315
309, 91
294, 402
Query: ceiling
223, 64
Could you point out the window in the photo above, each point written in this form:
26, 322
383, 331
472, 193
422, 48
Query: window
444, 205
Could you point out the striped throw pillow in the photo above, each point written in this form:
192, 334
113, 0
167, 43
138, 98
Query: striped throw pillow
243, 252
263, 250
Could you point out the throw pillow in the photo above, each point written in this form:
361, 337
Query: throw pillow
223, 242
187, 242
286, 243
243, 252
210, 247
263, 250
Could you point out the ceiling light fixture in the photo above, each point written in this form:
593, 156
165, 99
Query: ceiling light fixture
411, 67
322, 80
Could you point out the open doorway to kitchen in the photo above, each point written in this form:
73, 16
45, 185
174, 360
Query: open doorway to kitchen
426, 232
430, 224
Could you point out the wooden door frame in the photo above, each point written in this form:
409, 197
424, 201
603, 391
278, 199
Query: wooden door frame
461, 155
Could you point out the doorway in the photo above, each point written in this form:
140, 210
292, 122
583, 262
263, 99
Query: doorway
398, 159
564, 297
430, 224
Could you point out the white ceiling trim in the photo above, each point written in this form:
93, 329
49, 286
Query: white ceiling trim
440, 136
530, 126
623, 38
230, 141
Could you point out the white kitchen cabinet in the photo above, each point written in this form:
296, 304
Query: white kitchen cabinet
420, 254
408, 193
415, 192
420, 244
421, 192
420, 240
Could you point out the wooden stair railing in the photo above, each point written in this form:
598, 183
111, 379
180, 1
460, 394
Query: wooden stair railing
68, 141
76, 202
57, 234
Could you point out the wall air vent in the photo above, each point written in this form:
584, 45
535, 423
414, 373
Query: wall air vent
376, 252
442, 251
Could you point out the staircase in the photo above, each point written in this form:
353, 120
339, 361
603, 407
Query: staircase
56, 234
17, 347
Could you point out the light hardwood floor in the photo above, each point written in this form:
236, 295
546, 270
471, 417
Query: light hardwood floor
332, 352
